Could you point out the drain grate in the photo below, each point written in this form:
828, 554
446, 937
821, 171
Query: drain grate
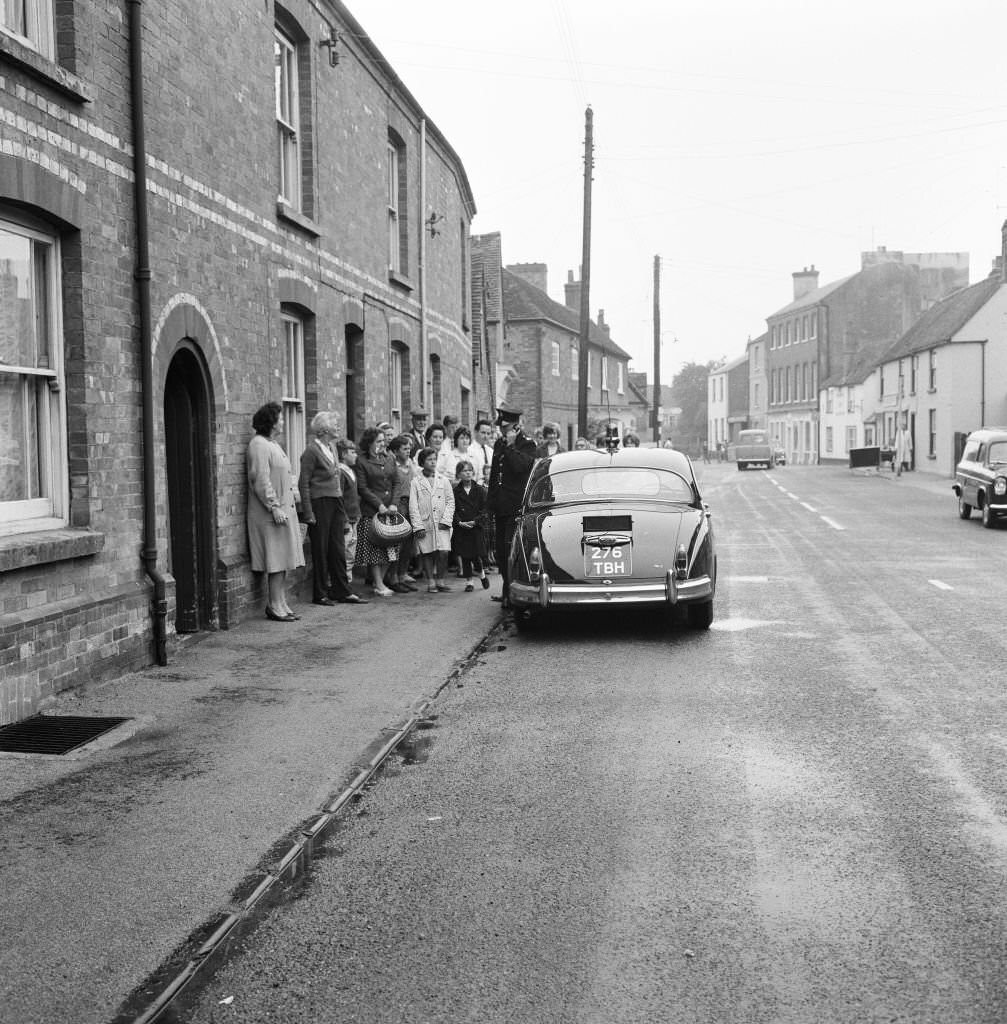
53, 734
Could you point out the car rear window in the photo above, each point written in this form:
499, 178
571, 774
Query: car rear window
611, 482
998, 452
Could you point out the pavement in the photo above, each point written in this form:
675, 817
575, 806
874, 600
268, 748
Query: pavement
131, 862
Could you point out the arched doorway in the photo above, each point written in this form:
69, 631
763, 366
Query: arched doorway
192, 517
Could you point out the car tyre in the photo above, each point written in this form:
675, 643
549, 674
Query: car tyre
964, 509
989, 517
700, 616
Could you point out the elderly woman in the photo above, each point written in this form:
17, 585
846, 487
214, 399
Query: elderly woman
321, 487
274, 538
376, 477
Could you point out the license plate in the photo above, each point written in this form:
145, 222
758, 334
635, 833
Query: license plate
608, 562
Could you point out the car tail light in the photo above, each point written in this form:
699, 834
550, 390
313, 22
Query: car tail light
681, 563
1000, 486
534, 563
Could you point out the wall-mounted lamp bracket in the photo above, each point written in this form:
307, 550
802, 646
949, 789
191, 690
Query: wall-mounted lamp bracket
330, 44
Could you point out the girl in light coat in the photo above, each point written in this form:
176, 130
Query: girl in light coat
431, 512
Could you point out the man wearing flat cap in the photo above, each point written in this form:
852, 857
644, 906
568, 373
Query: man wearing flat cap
513, 457
417, 432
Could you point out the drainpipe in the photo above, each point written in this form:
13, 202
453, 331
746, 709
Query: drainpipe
425, 383
142, 275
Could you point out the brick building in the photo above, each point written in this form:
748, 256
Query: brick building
541, 349
828, 328
272, 216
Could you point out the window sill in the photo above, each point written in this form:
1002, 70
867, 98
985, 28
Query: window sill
292, 216
400, 280
23, 550
48, 71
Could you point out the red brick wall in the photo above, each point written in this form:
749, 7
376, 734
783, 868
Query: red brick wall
222, 263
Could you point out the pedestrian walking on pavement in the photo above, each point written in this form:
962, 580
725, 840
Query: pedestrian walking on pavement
274, 536
513, 458
321, 489
431, 512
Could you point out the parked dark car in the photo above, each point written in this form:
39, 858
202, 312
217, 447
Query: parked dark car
981, 475
620, 528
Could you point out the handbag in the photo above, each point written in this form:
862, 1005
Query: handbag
389, 529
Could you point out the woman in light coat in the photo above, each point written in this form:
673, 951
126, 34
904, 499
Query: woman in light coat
274, 537
431, 512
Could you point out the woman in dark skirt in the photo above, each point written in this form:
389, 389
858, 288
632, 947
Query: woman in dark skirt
376, 476
467, 541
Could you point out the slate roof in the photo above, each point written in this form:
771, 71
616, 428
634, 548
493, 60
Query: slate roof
812, 298
856, 372
523, 301
943, 319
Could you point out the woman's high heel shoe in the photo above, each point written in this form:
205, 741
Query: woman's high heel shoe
270, 614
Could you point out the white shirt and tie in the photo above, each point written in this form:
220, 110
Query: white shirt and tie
481, 456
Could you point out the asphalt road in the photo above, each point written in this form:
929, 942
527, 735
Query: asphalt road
796, 817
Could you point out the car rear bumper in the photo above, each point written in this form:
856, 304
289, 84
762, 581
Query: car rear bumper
547, 594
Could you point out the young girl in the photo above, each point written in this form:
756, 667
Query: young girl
347, 451
470, 510
431, 511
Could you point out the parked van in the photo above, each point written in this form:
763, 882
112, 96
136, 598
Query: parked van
752, 449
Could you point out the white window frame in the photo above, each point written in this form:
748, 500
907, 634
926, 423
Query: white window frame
394, 241
574, 363
292, 386
604, 373
555, 358
43, 386
30, 22
590, 360
395, 385
621, 383
287, 93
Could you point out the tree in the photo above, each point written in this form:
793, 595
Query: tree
688, 393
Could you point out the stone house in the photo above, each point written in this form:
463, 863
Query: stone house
203, 207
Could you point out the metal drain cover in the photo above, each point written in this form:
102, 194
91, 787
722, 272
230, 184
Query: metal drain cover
53, 734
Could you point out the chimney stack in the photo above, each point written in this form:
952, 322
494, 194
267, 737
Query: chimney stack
602, 326
536, 274
572, 289
805, 281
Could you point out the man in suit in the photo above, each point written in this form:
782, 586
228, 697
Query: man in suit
513, 458
416, 433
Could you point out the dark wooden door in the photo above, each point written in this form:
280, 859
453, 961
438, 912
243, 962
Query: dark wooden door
190, 503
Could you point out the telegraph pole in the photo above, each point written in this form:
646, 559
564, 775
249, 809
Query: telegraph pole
585, 279
657, 350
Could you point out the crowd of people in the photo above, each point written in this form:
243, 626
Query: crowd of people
395, 510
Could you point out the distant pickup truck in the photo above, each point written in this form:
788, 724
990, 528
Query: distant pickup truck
751, 449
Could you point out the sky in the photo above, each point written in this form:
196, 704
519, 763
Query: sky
737, 140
